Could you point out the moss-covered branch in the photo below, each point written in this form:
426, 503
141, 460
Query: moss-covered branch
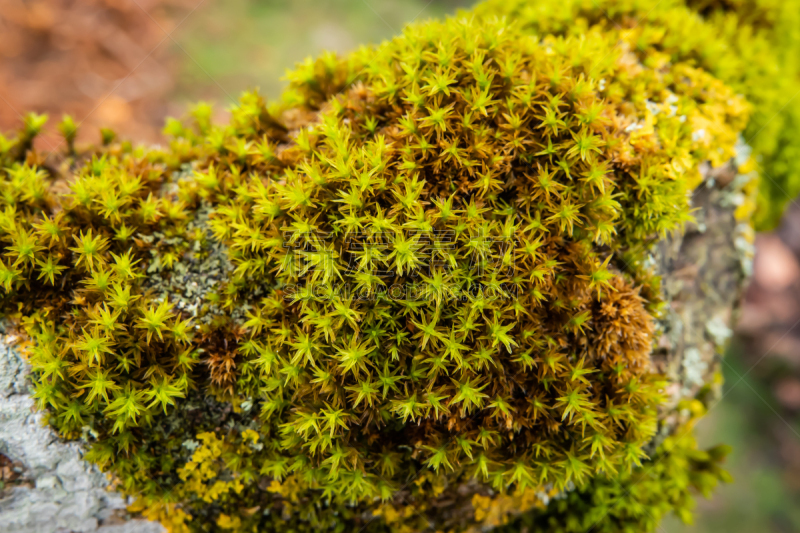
444, 281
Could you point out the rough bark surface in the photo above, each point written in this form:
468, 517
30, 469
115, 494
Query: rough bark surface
704, 273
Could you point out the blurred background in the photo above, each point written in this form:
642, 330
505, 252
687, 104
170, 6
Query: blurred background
128, 64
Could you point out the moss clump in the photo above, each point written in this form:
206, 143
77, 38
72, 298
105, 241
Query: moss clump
636, 500
435, 283
753, 46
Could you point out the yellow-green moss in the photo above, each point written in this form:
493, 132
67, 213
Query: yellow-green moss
221, 320
636, 500
753, 46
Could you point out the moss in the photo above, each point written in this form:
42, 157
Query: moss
636, 500
753, 46
421, 278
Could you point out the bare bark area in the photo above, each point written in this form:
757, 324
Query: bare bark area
704, 273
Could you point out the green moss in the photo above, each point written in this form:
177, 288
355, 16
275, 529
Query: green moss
637, 500
419, 275
753, 46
